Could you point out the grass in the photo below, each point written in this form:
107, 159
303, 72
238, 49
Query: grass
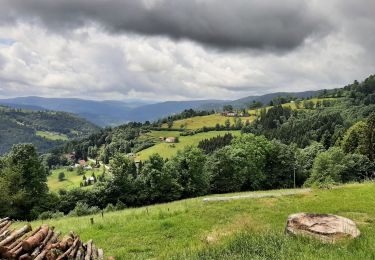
206, 121
238, 229
167, 150
52, 136
72, 179
211, 120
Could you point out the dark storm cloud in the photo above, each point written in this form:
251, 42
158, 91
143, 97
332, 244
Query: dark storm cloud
256, 24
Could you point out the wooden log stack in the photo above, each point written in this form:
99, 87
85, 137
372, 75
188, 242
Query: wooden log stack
43, 243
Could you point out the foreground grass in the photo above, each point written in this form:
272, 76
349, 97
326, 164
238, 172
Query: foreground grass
238, 229
167, 150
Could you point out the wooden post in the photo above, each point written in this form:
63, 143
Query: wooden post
92, 221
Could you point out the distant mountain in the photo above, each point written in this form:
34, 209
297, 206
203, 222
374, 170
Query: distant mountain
113, 113
101, 113
107, 113
265, 99
45, 129
160, 110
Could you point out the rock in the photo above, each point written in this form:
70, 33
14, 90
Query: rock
326, 227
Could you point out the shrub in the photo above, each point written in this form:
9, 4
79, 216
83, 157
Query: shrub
82, 209
61, 176
50, 214
110, 208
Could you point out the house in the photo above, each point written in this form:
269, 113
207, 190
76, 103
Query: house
70, 156
170, 140
82, 163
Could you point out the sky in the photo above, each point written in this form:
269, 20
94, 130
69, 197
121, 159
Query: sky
182, 50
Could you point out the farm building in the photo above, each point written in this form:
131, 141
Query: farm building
170, 140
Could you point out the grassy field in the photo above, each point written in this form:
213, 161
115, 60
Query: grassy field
238, 229
206, 121
211, 120
72, 179
52, 136
167, 150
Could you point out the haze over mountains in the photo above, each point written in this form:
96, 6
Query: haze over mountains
112, 113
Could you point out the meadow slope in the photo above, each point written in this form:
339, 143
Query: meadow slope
238, 229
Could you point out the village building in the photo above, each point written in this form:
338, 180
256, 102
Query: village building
170, 140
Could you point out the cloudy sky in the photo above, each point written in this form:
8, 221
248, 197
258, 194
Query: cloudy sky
182, 49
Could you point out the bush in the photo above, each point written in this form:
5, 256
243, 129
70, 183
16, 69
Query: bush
110, 208
120, 205
82, 209
61, 176
50, 214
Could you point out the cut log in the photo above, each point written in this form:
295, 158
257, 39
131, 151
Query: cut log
4, 219
94, 254
100, 254
25, 257
67, 252
5, 234
64, 244
17, 234
39, 248
16, 253
89, 250
36, 239
3, 223
47, 247
74, 252
18, 241
5, 227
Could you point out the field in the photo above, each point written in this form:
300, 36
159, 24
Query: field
239, 229
72, 179
52, 136
167, 150
206, 121
211, 120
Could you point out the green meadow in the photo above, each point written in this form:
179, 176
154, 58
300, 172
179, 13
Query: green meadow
72, 179
167, 150
237, 229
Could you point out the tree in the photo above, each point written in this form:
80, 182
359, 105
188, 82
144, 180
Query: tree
170, 123
328, 168
121, 186
227, 123
355, 139
225, 171
61, 176
23, 182
80, 170
371, 132
228, 108
159, 182
187, 166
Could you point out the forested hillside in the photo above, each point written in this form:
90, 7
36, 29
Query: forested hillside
291, 142
44, 129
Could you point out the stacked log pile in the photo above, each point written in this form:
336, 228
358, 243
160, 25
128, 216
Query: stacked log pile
43, 243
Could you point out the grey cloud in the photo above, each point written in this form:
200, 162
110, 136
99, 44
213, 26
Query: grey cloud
254, 24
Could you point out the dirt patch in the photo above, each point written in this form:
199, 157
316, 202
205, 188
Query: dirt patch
241, 223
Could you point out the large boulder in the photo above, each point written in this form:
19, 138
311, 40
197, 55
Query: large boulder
326, 227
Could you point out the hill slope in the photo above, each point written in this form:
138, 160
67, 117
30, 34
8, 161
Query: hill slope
45, 129
237, 229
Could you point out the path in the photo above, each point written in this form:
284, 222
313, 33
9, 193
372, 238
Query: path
259, 195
